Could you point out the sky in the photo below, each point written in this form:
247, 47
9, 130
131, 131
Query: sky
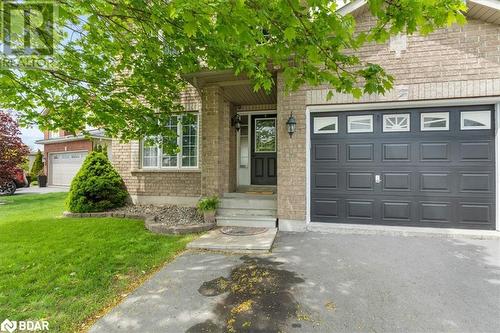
30, 135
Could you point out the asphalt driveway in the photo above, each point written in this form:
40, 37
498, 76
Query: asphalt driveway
315, 282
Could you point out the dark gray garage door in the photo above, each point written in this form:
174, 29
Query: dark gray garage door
418, 167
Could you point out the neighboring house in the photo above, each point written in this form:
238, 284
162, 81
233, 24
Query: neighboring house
64, 153
425, 154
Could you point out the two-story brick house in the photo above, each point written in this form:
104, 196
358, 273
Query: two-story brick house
425, 154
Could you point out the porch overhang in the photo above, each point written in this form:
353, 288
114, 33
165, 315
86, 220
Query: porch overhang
237, 89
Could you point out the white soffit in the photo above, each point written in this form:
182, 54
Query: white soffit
484, 10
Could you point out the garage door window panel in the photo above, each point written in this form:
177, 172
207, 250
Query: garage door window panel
326, 125
360, 124
475, 120
396, 122
435, 121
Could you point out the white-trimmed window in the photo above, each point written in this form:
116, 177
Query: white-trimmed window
474, 120
324, 125
434, 121
174, 152
360, 124
398, 122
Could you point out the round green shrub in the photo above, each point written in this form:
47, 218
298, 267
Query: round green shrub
96, 187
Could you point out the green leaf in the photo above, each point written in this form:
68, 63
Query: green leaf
290, 34
329, 95
190, 29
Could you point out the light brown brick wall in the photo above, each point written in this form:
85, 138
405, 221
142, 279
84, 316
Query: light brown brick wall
462, 61
257, 107
217, 155
126, 160
178, 183
291, 154
218, 143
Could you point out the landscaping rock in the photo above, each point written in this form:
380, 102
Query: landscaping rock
159, 219
102, 214
168, 215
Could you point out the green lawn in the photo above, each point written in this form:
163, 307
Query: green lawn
66, 270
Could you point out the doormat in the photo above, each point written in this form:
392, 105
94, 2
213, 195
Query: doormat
242, 231
260, 192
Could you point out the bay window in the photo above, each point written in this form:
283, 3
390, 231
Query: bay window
179, 151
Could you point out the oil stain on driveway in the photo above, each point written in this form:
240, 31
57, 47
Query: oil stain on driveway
315, 282
258, 297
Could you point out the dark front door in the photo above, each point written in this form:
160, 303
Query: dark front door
264, 150
413, 167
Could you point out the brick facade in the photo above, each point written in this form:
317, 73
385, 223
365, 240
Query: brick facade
291, 154
217, 157
458, 62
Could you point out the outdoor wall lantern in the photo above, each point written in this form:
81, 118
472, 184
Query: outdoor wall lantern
291, 123
236, 122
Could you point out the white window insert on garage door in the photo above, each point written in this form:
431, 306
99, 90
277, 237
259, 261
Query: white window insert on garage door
475, 120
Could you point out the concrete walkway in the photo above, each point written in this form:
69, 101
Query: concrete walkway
314, 282
41, 190
216, 240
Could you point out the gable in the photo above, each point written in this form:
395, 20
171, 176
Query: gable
483, 10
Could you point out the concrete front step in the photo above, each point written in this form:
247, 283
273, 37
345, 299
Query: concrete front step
216, 240
248, 203
245, 212
250, 195
247, 221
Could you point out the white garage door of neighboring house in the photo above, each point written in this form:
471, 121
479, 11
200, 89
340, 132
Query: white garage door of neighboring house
64, 166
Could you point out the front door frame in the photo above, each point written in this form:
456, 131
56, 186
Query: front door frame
249, 114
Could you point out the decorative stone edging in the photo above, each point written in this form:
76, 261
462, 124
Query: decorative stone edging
150, 223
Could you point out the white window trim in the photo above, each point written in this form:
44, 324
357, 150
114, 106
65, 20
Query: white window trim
179, 143
275, 136
350, 118
385, 130
463, 127
445, 115
159, 149
336, 130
